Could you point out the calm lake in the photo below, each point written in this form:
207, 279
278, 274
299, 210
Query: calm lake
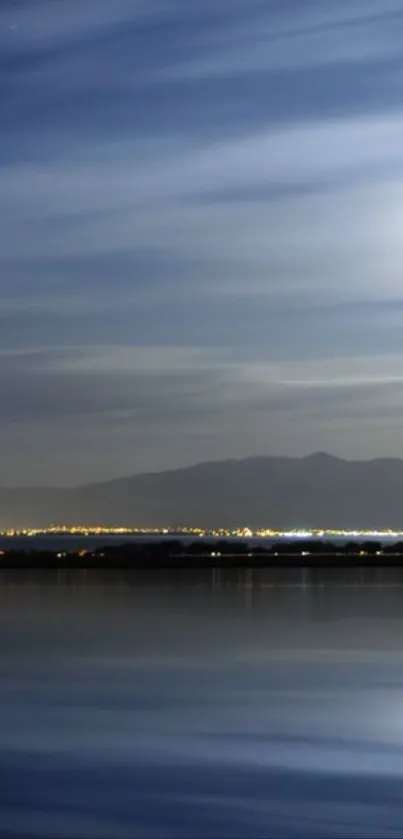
265, 703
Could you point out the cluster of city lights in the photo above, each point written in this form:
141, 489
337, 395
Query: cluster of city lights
242, 532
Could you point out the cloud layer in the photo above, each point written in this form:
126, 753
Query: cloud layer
201, 248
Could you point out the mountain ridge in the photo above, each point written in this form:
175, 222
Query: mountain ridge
319, 490
314, 456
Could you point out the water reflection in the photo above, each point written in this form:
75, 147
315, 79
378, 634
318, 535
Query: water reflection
204, 704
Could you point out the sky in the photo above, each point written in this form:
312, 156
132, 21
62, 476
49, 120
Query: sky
201, 248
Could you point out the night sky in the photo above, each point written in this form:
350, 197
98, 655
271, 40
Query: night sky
201, 246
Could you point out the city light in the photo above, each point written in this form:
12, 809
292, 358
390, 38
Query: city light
220, 533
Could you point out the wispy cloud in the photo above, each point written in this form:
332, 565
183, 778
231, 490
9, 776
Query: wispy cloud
201, 212
293, 36
45, 24
163, 407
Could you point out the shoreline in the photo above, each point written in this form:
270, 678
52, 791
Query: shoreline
39, 561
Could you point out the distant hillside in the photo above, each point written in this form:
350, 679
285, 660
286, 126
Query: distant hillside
315, 491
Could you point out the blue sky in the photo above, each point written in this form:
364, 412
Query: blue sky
201, 249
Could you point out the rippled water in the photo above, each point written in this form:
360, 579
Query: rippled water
263, 703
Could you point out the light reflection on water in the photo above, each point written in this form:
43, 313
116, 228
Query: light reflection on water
205, 704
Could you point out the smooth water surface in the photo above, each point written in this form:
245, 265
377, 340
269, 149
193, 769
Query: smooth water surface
264, 703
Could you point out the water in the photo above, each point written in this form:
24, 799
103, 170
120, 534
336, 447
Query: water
263, 703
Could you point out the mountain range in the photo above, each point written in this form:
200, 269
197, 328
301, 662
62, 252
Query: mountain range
279, 492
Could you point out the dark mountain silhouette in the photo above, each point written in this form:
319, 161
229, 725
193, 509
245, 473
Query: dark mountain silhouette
315, 491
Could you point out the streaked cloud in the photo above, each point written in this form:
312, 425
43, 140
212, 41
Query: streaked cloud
292, 37
202, 213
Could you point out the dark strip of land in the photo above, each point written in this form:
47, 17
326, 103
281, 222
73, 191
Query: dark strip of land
173, 554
